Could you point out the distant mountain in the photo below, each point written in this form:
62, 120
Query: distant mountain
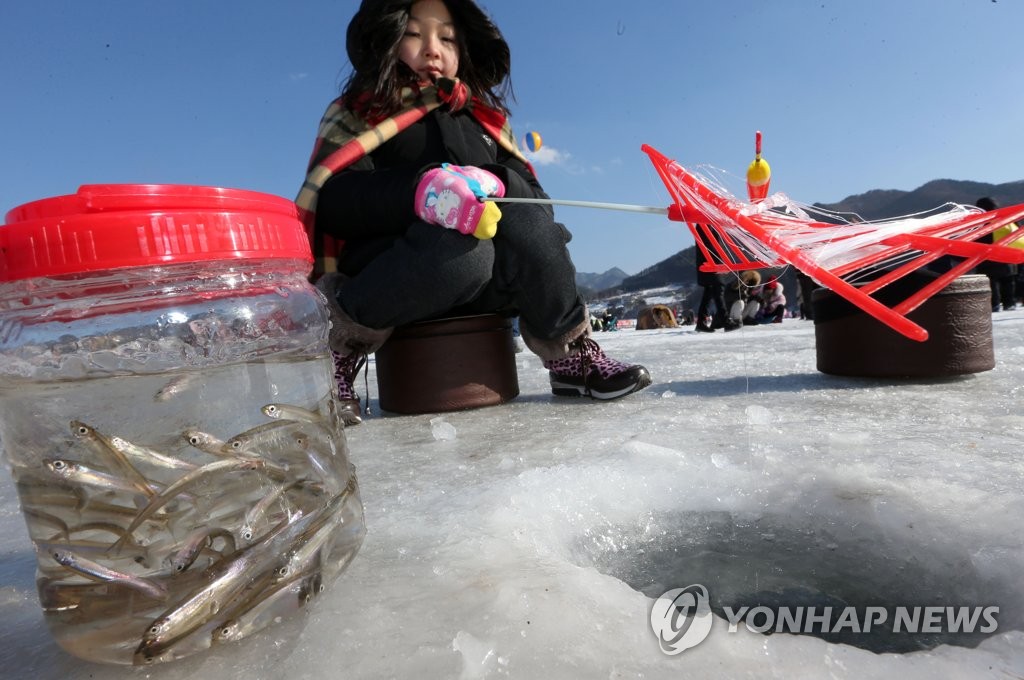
610, 279
882, 204
679, 269
675, 269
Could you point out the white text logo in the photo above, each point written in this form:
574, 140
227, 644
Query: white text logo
681, 618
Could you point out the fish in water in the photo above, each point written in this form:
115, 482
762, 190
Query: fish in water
223, 582
178, 487
83, 475
102, 447
149, 456
98, 572
200, 539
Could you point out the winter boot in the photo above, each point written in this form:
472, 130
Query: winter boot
351, 343
346, 368
592, 373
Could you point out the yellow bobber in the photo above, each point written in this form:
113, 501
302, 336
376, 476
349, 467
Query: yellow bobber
759, 174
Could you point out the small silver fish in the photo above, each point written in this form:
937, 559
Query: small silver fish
98, 572
176, 386
81, 474
205, 442
175, 489
223, 582
257, 612
309, 544
247, 532
290, 412
217, 447
147, 455
102, 447
275, 435
197, 541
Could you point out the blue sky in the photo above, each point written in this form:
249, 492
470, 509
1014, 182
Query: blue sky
850, 96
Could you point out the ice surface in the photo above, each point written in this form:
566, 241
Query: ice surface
533, 544
442, 429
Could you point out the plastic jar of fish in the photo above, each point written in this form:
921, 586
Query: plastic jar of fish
168, 415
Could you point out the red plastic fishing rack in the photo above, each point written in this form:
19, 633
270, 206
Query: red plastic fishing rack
724, 233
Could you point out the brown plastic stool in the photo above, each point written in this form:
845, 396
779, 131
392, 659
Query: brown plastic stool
958, 320
447, 365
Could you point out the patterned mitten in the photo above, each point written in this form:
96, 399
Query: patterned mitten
450, 196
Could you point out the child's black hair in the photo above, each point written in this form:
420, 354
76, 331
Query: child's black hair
378, 75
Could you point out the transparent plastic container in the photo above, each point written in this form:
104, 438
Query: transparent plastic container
168, 415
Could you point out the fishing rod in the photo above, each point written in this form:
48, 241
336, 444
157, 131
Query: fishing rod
650, 209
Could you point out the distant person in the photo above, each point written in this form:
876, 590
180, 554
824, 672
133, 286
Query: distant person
804, 294
608, 321
713, 293
1002, 276
766, 305
427, 89
773, 302
738, 293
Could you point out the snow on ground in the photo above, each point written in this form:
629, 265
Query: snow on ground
534, 542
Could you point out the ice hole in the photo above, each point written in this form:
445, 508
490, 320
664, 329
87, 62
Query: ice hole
776, 561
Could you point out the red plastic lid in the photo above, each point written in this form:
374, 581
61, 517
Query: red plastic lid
110, 226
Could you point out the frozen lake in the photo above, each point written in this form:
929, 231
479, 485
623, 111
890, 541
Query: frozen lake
534, 542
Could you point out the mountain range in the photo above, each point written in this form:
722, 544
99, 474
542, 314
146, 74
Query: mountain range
679, 269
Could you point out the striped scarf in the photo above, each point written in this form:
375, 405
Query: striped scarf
345, 136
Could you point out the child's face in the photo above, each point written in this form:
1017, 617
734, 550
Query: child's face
429, 46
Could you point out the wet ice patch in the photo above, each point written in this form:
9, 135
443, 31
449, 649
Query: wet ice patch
442, 430
478, 657
758, 415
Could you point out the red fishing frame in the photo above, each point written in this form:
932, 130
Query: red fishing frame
952, 237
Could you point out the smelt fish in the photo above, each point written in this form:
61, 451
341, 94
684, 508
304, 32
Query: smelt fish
224, 581
98, 572
102, 447
248, 530
196, 542
176, 386
83, 475
84, 547
289, 412
217, 447
205, 442
147, 455
278, 434
307, 545
258, 611
164, 497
